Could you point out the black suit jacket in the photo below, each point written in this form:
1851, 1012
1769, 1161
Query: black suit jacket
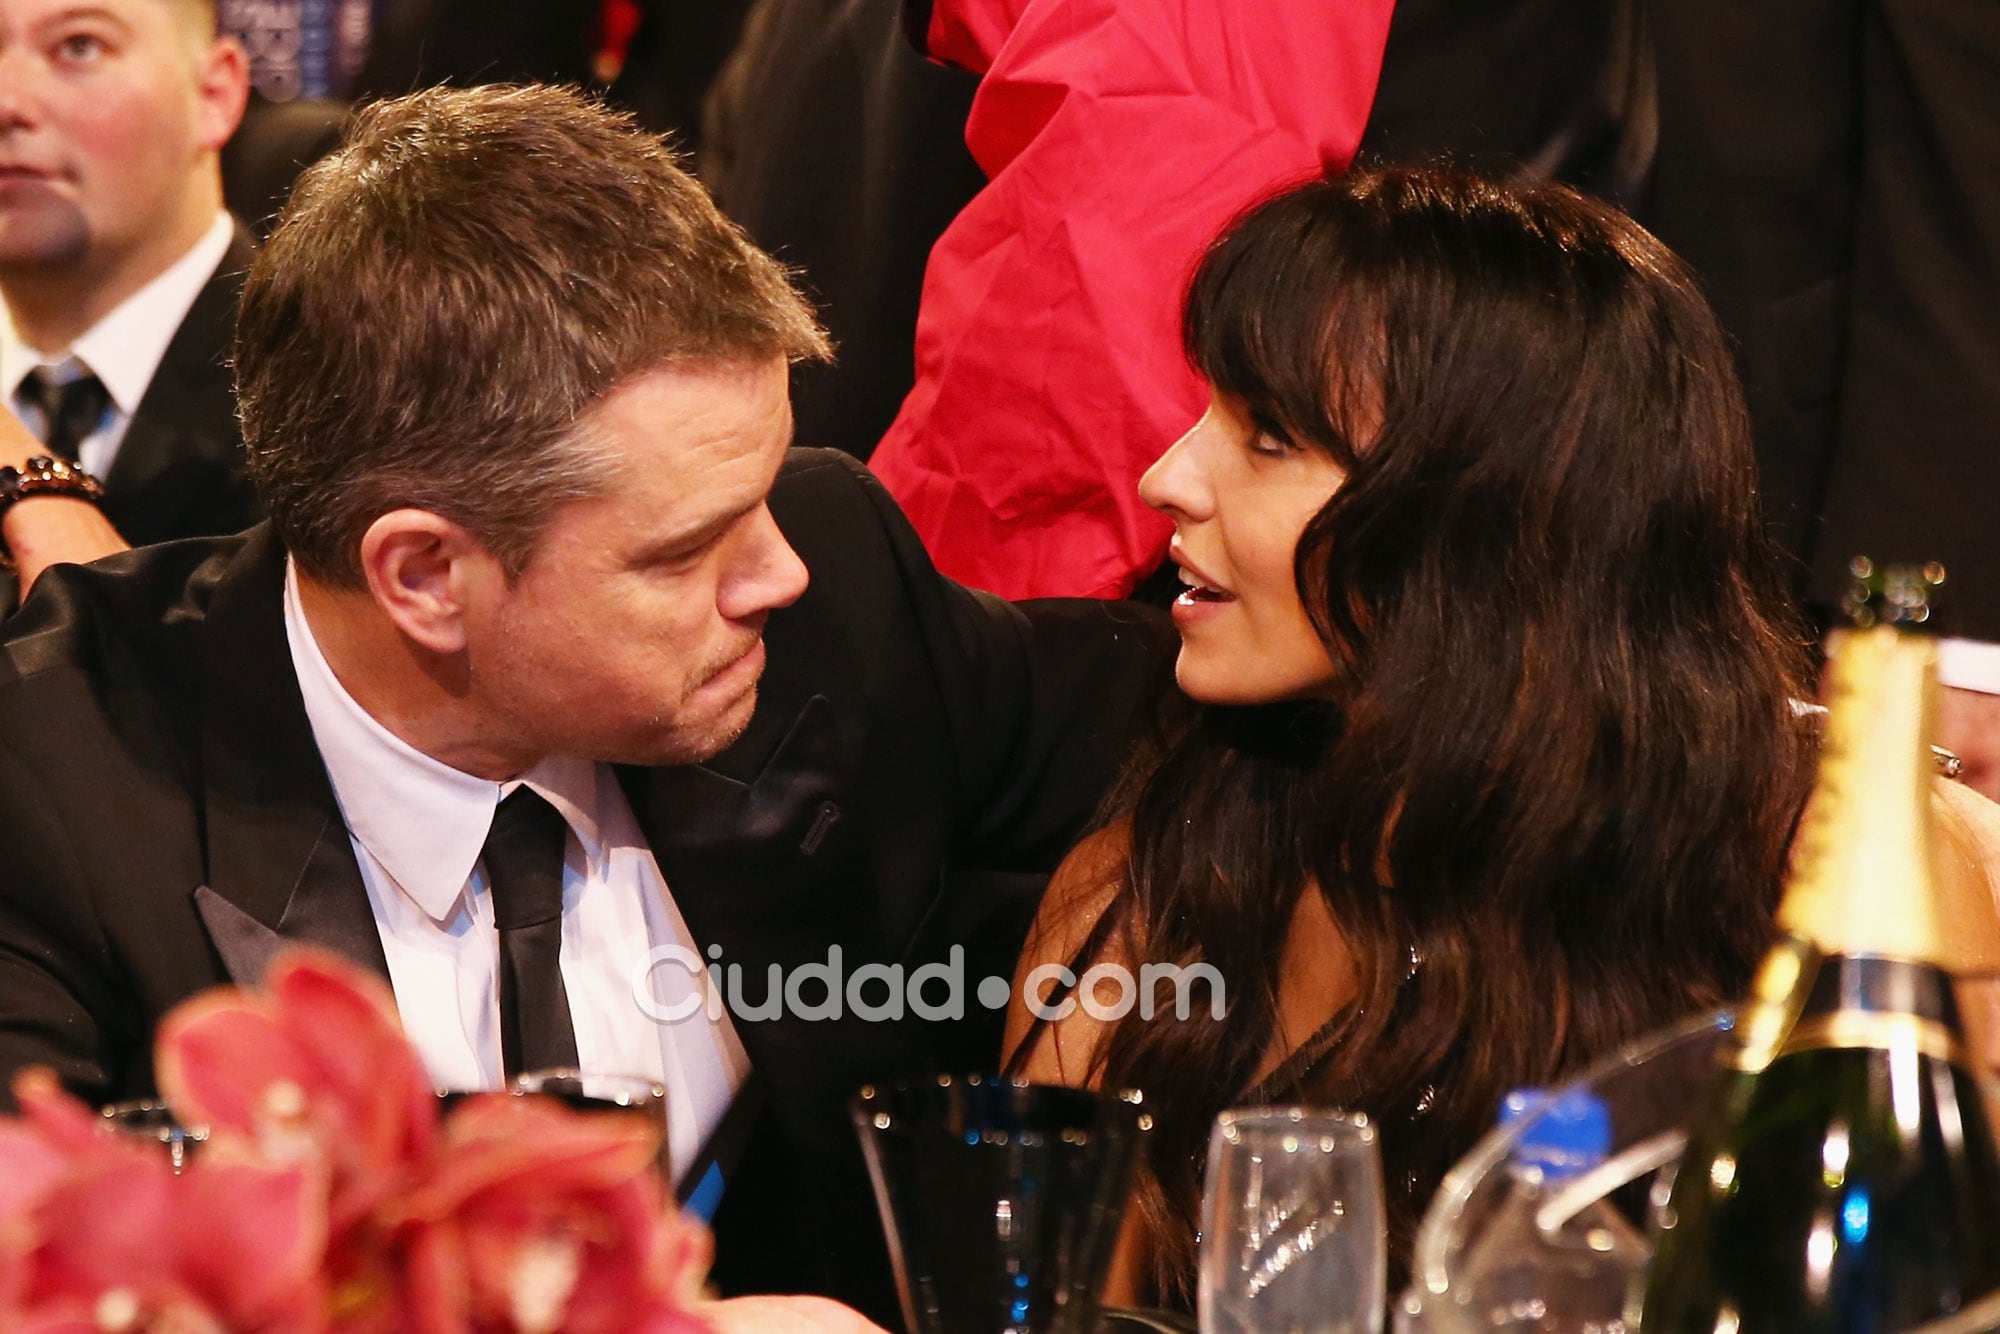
170, 823
180, 470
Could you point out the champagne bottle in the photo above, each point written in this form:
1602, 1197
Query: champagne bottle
1847, 1180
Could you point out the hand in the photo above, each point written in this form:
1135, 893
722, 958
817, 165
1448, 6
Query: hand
786, 1315
1969, 726
47, 530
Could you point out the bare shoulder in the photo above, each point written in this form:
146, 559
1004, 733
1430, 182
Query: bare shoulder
1079, 894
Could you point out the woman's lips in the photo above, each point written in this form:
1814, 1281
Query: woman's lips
1200, 599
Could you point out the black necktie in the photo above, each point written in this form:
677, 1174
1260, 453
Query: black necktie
71, 410
524, 869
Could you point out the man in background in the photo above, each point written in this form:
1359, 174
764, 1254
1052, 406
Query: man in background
119, 270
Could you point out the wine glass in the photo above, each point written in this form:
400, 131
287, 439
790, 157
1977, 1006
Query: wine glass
154, 1121
1292, 1238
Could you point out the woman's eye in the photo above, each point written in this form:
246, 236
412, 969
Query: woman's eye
1268, 440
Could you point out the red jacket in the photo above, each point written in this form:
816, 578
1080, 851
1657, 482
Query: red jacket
1119, 136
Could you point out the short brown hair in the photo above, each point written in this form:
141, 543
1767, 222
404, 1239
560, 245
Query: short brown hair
445, 297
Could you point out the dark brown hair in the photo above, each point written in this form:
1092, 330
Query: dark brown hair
446, 297
1560, 766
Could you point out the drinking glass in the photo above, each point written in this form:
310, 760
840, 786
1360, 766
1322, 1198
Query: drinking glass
628, 1094
155, 1122
1292, 1238
1001, 1200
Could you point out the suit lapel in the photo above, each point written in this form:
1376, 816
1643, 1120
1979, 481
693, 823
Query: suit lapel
281, 868
186, 423
756, 849
734, 838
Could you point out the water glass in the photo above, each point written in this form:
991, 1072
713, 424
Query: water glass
629, 1094
1292, 1233
1001, 1201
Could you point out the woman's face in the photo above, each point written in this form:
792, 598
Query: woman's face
1239, 500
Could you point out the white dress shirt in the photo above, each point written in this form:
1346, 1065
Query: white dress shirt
418, 825
123, 349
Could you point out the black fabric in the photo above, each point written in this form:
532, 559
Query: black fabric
1916, 459
71, 410
523, 857
180, 470
909, 735
420, 43
672, 62
1756, 187
1831, 168
1828, 168
842, 150
275, 142
1545, 88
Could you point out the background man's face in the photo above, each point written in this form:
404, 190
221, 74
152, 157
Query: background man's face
107, 108
635, 634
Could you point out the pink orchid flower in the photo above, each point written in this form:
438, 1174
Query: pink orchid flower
326, 1200
97, 1233
540, 1218
314, 1068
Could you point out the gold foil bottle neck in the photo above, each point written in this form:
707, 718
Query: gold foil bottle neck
1862, 878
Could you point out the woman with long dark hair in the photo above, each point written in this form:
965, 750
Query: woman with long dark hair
1493, 763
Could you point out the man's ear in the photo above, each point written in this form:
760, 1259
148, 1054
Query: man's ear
422, 569
222, 81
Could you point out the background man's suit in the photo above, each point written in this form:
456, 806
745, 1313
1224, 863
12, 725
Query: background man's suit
170, 823
179, 471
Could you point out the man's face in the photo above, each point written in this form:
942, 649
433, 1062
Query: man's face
635, 634
107, 111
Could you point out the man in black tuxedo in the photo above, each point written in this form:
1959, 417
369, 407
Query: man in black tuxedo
119, 271
486, 706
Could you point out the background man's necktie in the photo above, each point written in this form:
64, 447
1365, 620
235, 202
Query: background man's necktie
71, 410
524, 869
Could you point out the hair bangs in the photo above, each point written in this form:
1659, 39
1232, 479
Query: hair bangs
1276, 319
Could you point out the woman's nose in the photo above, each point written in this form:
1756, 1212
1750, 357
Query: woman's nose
1176, 483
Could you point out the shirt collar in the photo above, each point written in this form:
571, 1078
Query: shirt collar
422, 820
124, 348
